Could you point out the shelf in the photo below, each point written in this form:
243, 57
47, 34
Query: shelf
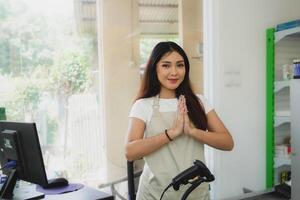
287, 32
278, 162
283, 113
282, 46
279, 120
279, 85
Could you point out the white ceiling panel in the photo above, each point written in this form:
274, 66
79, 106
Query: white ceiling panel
158, 16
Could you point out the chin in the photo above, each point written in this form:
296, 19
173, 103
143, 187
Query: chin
172, 87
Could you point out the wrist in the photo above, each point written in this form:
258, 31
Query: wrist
197, 133
192, 131
171, 133
168, 136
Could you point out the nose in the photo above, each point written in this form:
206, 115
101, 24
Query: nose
174, 70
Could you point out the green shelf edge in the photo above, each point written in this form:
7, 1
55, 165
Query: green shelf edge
270, 107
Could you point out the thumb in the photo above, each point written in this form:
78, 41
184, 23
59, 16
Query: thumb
186, 117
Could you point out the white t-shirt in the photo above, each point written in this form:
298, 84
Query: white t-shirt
143, 109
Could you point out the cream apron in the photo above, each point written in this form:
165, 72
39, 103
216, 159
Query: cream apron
168, 161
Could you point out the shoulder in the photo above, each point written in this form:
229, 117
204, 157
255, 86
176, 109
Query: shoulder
205, 103
141, 109
143, 103
201, 97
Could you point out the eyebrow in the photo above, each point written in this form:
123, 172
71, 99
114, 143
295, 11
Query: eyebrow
164, 61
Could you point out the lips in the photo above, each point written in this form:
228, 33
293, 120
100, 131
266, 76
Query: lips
173, 81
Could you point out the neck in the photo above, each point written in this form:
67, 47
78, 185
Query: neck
167, 94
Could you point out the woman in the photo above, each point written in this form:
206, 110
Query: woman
169, 125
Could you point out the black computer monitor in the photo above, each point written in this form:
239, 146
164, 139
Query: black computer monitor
20, 142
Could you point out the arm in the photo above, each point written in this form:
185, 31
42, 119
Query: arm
217, 136
137, 146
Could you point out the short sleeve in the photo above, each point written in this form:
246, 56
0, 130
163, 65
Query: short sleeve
205, 103
138, 110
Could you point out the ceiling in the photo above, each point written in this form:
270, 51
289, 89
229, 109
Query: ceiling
156, 17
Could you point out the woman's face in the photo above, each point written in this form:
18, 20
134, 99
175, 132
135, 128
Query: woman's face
170, 71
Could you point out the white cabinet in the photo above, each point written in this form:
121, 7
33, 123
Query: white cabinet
295, 133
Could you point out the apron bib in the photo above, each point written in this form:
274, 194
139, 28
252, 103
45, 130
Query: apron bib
168, 161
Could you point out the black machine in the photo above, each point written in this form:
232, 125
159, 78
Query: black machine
19, 143
195, 175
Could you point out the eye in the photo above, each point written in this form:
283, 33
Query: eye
180, 65
165, 65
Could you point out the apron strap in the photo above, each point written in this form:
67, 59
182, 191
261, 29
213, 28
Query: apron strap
155, 105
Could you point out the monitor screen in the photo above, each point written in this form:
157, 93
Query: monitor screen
20, 142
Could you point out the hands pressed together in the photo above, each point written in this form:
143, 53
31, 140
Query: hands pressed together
181, 124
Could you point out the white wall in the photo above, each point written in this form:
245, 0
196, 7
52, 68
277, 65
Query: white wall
235, 82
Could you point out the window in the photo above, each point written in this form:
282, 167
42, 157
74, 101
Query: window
148, 43
49, 75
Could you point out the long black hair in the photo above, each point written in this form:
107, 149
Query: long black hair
151, 86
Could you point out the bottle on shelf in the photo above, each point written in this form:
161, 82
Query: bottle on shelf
296, 63
287, 72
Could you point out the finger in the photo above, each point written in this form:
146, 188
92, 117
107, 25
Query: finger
186, 119
182, 107
183, 101
180, 103
182, 111
179, 112
185, 106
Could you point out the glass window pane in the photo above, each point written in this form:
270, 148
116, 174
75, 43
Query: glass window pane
49, 75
